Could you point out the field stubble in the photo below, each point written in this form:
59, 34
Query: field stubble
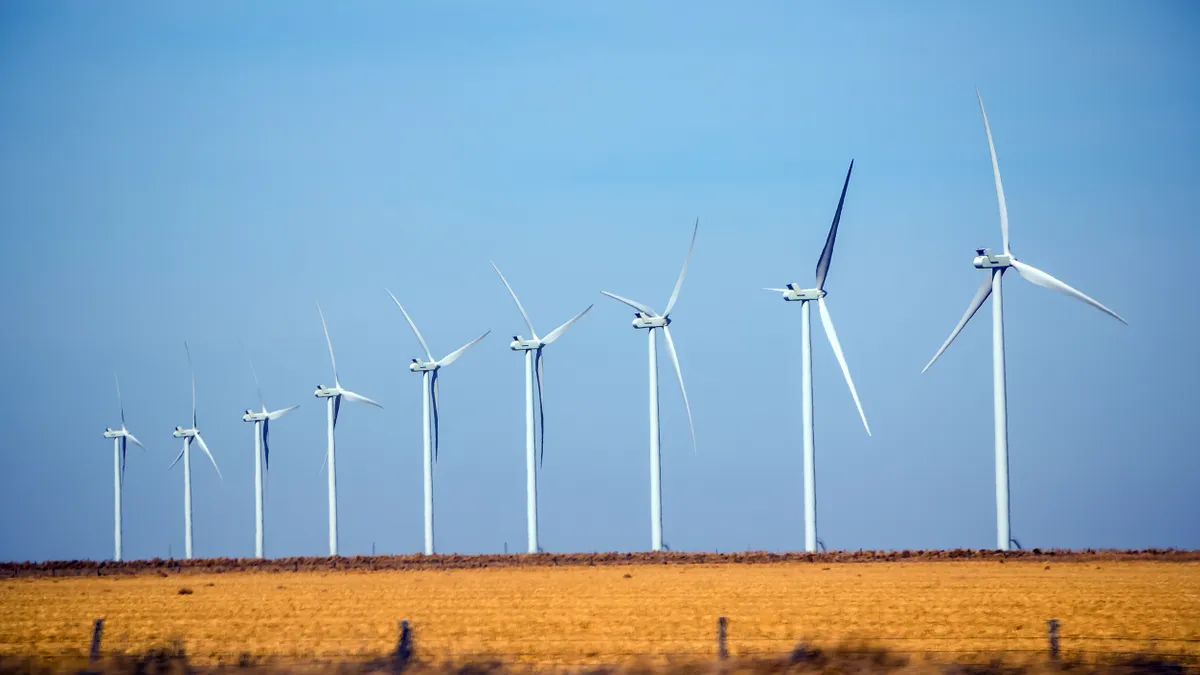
579, 614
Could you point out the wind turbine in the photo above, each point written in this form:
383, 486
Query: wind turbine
262, 454
334, 395
649, 319
429, 412
533, 364
119, 437
996, 265
793, 293
192, 432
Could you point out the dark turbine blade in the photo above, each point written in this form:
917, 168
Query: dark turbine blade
433, 384
827, 252
541, 413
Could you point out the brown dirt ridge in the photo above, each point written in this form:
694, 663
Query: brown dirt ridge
78, 568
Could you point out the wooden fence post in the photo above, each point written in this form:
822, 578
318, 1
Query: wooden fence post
722, 650
404, 649
1052, 635
97, 632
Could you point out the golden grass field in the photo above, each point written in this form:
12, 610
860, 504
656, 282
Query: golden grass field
576, 614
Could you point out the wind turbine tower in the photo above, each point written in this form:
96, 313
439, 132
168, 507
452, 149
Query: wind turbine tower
188, 435
119, 437
793, 293
333, 397
996, 264
429, 370
262, 456
646, 318
533, 368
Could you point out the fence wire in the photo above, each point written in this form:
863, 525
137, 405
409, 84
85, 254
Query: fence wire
614, 648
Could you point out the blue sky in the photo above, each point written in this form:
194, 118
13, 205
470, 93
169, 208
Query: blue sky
207, 171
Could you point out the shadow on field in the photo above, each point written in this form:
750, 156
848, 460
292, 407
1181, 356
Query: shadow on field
846, 660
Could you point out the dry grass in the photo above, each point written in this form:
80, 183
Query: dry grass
604, 614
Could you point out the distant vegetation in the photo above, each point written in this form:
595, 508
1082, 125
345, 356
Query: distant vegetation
455, 561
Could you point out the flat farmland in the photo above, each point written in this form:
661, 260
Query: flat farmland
581, 613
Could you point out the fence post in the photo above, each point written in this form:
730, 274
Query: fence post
97, 632
722, 651
404, 648
1052, 635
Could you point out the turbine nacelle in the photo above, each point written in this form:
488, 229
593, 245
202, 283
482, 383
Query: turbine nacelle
643, 320
986, 260
180, 432
419, 366
252, 416
326, 392
795, 294
113, 433
520, 344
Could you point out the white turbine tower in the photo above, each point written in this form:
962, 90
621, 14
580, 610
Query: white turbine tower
192, 432
119, 437
334, 395
429, 412
793, 293
996, 265
533, 367
649, 319
262, 455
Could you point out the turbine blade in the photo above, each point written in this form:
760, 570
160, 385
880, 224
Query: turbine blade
337, 408
253, 372
514, 297
1043, 279
435, 404
776, 290
827, 321
135, 440
541, 411
280, 413
122, 461
679, 373
976, 302
358, 398
204, 447
827, 252
193, 369
636, 305
329, 342
682, 272
554, 334
453, 356
416, 332
325, 459
119, 403
996, 172
177, 458
266, 443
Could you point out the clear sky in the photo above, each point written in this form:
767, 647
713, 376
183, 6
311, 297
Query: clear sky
207, 171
